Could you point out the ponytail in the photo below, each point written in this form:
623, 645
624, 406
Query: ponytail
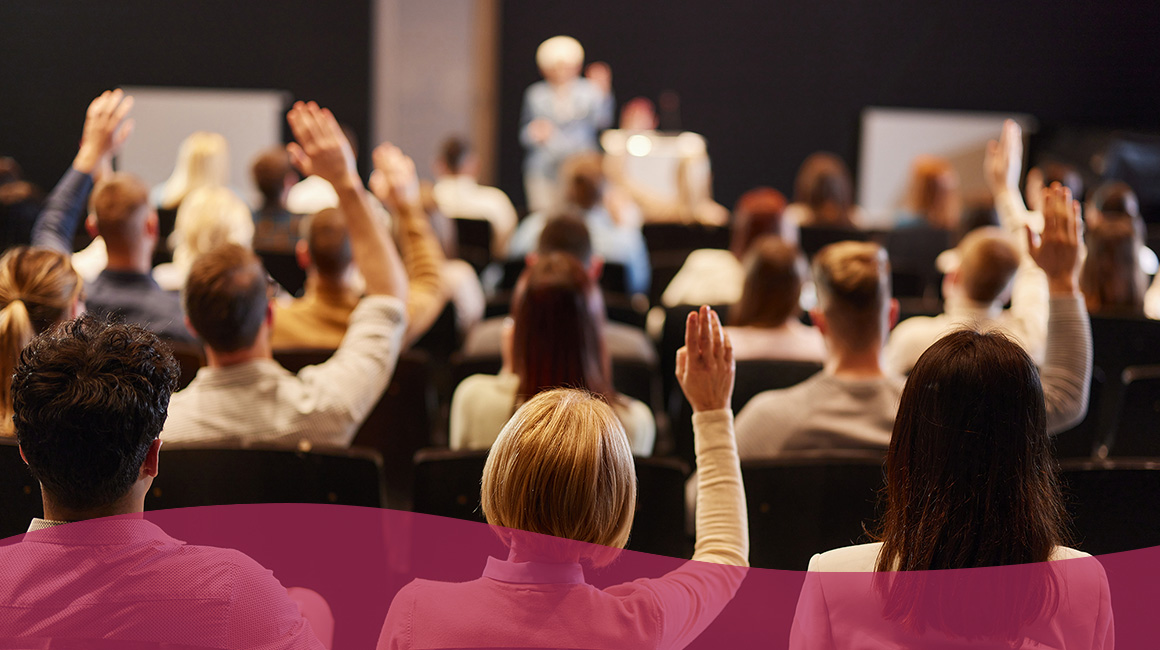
15, 332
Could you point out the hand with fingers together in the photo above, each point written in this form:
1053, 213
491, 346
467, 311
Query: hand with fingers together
705, 365
106, 128
1003, 160
321, 148
394, 181
1056, 250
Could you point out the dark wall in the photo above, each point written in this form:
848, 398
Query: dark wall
59, 54
768, 83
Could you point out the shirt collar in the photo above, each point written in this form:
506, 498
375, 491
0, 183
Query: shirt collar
534, 572
41, 524
104, 531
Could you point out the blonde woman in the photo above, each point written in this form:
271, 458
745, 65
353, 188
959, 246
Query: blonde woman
38, 288
207, 218
562, 467
203, 160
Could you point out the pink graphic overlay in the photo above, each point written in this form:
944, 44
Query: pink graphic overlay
217, 577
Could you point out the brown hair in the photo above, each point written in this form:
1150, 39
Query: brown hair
557, 339
453, 152
823, 184
774, 271
988, 263
121, 203
582, 177
37, 288
1116, 197
853, 283
758, 212
329, 242
269, 170
566, 233
1111, 279
934, 191
562, 466
225, 297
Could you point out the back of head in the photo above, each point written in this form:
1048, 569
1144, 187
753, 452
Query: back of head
89, 398
121, 203
562, 466
566, 233
1111, 279
970, 477
557, 340
582, 177
454, 153
853, 283
329, 242
774, 272
559, 50
823, 183
203, 160
988, 262
38, 287
208, 218
269, 170
934, 191
758, 212
225, 297
1064, 174
1116, 198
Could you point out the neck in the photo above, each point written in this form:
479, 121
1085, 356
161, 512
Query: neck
132, 503
328, 285
130, 259
854, 364
259, 350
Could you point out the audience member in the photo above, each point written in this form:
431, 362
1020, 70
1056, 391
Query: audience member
613, 238
275, 227
207, 218
20, 202
1116, 200
460, 195
823, 194
569, 234
1112, 281
90, 399
714, 276
764, 323
38, 288
562, 466
852, 401
561, 116
555, 339
202, 161
320, 317
243, 394
933, 199
970, 483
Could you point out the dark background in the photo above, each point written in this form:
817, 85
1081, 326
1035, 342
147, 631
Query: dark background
768, 83
59, 54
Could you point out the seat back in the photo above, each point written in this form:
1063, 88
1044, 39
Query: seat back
1118, 343
474, 241
210, 476
683, 237
815, 238
283, 267
1137, 427
447, 483
632, 377
190, 358
1113, 503
19, 492
1084, 439
804, 504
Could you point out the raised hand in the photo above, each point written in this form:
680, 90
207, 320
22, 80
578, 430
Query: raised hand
1056, 251
600, 75
106, 129
322, 148
1004, 159
705, 366
394, 180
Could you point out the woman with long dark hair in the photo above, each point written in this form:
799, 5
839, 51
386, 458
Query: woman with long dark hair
555, 340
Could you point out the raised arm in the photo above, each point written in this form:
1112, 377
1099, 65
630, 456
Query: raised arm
396, 184
106, 128
323, 149
1002, 163
1067, 371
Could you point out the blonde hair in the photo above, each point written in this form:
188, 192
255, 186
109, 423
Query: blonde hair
562, 466
559, 50
37, 288
203, 160
989, 262
208, 218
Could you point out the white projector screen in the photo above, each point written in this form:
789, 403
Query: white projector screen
892, 137
250, 120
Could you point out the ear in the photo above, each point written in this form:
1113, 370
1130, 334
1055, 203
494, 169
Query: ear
149, 467
819, 320
595, 268
189, 326
302, 254
76, 308
91, 226
270, 314
895, 310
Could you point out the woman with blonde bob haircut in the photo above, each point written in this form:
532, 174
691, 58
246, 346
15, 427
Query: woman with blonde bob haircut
209, 217
38, 288
203, 160
560, 488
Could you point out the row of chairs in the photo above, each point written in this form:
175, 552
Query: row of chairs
798, 505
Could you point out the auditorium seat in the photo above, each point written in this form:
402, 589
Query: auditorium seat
447, 484
815, 238
1137, 424
613, 279
19, 492
190, 358
809, 503
474, 242
210, 476
283, 267
673, 337
1113, 503
683, 237
1118, 343
1084, 439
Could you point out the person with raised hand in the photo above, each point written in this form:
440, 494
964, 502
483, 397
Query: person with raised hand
562, 467
243, 394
